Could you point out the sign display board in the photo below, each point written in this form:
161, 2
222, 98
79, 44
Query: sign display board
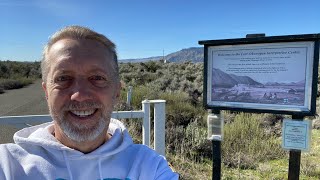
296, 135
268, 77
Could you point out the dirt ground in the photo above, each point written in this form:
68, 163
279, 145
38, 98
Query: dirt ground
25, 101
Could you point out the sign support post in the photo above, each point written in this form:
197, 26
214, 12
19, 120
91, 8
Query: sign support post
216, 160
294, 158
215, 134
294, 164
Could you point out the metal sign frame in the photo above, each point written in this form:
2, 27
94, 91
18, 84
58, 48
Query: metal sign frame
236, 46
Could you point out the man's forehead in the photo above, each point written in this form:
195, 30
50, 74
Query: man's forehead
68, 45
78, 48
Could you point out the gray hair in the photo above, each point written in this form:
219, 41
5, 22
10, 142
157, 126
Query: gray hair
78, 32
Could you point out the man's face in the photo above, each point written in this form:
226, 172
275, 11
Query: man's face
80, 88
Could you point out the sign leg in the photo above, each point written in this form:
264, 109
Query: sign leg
216, 160
294, 165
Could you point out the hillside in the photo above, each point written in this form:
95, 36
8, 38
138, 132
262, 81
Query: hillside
226, 80
193, 54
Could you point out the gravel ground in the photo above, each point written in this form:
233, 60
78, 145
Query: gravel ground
26, 101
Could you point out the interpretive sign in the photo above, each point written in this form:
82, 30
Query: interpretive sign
296, 135
275, 76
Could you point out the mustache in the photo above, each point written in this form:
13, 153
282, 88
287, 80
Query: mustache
74, 105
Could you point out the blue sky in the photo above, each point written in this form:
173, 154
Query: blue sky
144, 28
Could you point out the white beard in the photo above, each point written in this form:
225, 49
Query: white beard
81, 133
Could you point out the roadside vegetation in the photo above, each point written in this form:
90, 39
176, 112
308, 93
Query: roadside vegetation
15, 75
251, 148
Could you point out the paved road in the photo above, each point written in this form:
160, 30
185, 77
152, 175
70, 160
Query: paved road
26, 101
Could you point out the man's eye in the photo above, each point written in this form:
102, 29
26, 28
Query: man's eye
99, 81
97, 78
63, 78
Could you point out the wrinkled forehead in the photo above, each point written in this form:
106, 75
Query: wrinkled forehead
80, 56
78, 48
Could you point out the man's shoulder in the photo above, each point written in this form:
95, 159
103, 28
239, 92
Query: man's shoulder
142, 148
10, 150
144, 152
9, 147
152, 162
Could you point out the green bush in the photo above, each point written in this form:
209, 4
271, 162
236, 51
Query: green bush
15, 70
189, 141
245, 143
8, 84
180, 111
309, 168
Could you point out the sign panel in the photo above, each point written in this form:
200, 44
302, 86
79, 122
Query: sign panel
296, 135
266, 76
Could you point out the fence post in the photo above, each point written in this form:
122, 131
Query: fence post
129, 94
146, 123
159, 126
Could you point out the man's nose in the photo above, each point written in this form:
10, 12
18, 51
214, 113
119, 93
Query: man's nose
81, 91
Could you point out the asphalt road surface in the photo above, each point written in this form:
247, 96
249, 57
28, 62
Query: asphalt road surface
25, 101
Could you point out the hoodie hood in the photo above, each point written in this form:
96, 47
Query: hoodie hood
42, 135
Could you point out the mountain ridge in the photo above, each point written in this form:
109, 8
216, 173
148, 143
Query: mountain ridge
225, 80
193, 54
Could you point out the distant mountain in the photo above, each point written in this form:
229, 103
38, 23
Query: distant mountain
299, 83
244, 80
222, 79
193, 54
155, 58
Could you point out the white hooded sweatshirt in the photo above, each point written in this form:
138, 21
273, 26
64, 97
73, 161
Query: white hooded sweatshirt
37, 154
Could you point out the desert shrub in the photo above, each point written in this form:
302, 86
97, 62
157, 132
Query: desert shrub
134, 127
14, 69
316, 123
142, 93
188, 141
188, 169
309, 168
245, 144
180, 111
170, 77
8, 84
15, 75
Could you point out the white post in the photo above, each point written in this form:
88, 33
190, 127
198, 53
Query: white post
129, 94
146, 123
159, 126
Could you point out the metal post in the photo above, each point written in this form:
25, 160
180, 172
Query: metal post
294, 165
129, 94
294, 158
146, 123
216, 155
159, 126
216, 160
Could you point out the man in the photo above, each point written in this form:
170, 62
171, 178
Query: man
81, 84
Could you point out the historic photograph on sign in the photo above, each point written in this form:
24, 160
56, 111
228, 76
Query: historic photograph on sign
273, 76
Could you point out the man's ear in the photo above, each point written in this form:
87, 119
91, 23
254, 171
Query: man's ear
44, 87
